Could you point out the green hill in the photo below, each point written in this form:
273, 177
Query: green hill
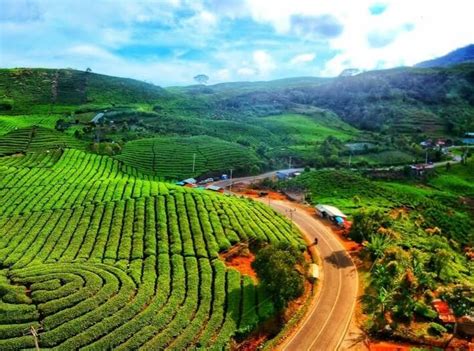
25, 90
172, 157
35, 139
455, 57
402, 100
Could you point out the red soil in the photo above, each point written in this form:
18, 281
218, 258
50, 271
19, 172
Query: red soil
387, 346
241, 262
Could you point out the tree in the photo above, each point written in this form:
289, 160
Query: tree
201, 78
366, 224
277, 269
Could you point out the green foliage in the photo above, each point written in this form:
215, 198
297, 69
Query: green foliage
436, 329
365, 226
272, 262
113, 258
173, 157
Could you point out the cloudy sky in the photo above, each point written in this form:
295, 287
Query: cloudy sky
167, 42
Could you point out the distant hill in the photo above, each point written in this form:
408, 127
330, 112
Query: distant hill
461, 55
402, 100
20, 88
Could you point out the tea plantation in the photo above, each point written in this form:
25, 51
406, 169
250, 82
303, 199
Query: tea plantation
96, 255
173, 157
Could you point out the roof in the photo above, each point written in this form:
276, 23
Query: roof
213, 187
288, 172
97, 117
422, 166
189, 181
330, 210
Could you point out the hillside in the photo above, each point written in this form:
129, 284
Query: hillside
461, 55
403, 100
28, 89
173, 157
97, 255
393, 110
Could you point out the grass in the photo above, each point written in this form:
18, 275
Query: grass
389, 157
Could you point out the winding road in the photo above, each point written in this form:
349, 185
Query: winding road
325, 324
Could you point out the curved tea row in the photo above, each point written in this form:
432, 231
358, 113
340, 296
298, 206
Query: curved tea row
91, 269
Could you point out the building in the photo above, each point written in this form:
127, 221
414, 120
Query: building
215, 188
187, 182
421, 169
332, 213
287, 174
468, 138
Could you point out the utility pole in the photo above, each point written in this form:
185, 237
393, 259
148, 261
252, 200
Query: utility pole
290, 211
230, 186
194, 162
350, 159
289, 163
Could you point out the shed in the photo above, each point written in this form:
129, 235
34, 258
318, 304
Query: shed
189, 181
214, 188
330, 211
97, 117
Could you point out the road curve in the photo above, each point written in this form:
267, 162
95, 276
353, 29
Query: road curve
327, 320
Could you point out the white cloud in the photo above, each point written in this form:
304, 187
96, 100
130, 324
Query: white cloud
246, 72
91, 52
170, 41
264, 62
407, 32
303, 58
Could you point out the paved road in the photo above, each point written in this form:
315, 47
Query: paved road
325, 324
250, 179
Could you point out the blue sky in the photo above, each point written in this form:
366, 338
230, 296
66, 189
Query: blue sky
168, 42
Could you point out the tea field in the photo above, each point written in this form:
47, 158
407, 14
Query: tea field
96, 255
172, 157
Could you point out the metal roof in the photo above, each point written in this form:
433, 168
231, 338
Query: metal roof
330, 210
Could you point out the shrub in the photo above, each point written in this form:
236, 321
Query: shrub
436, 329
280, 261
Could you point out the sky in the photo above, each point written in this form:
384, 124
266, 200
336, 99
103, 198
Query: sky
168, 42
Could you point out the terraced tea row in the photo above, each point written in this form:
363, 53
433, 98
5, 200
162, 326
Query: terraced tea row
35, 139
173, 157
99, 258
